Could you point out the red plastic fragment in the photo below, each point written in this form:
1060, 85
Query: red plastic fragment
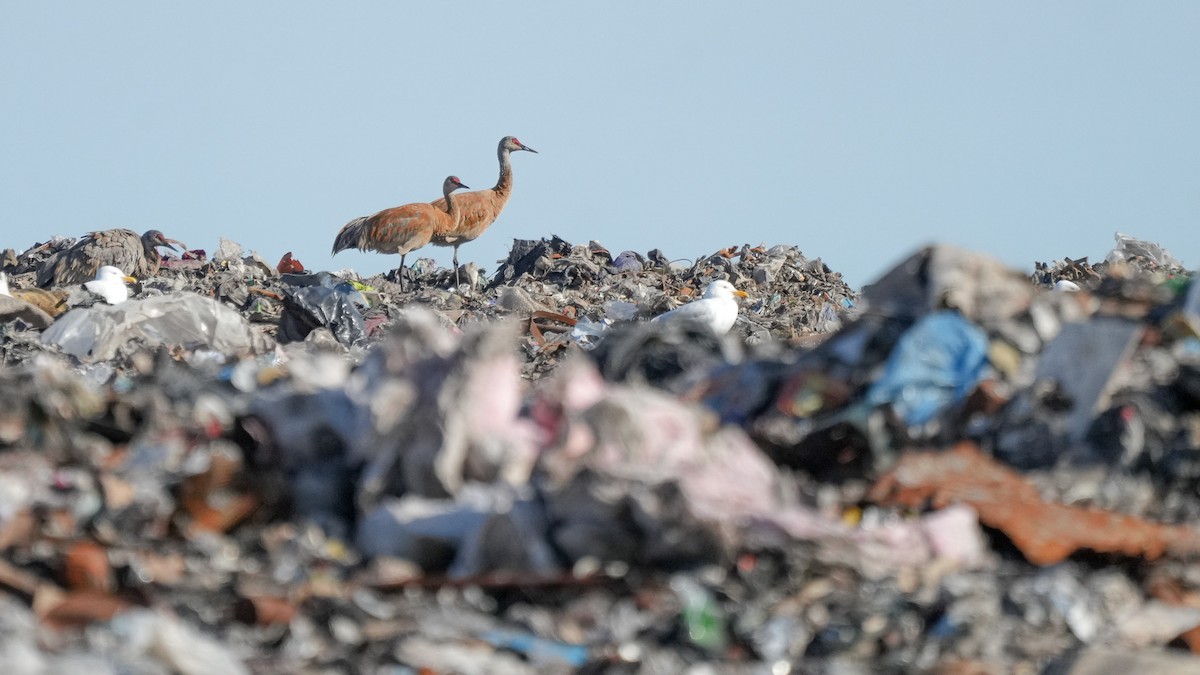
288, 264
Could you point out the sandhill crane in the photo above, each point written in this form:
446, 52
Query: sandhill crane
717, 310
401, 229
120, 248
479, 209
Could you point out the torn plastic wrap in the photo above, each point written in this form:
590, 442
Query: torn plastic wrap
100, 332
312, 307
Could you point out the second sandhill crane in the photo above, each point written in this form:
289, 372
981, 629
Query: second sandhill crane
479, 209
401, 229
120, 248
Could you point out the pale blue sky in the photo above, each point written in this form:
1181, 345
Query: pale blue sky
857, 131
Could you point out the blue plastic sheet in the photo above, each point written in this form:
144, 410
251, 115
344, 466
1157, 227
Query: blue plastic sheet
934, 365
539, 650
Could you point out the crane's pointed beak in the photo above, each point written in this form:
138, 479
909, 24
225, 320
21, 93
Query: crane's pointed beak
526, 147
169, 244
464, 185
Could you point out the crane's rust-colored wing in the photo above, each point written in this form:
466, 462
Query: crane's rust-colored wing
396, 230
476, 211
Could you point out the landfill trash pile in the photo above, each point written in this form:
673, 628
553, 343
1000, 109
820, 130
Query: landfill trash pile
255, 468
1129, 256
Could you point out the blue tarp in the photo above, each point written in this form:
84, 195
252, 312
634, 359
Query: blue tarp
933, 365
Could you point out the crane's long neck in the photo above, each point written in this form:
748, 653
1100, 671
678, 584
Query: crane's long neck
504, 184
450, 205
152, 257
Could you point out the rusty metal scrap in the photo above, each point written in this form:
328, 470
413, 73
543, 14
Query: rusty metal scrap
538, 330
1045, 532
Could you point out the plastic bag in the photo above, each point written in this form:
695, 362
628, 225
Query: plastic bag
1130, 248
314, 306
99, 332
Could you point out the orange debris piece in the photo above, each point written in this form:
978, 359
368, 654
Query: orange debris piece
1045, 532
78, 608
221, 518
213, 504
86, 568
266, 293
288, 264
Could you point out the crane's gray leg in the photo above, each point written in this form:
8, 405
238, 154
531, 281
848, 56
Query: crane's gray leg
400, 272
456, 281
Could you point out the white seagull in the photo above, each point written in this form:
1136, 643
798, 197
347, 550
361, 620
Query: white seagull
110, 284
718, 309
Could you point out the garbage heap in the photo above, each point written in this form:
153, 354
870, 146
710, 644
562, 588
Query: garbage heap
959, 471
566, 295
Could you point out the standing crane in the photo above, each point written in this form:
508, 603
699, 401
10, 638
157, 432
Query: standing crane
401, 229
120, 248
479, 209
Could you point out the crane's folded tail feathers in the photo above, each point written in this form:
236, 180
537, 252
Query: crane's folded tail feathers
350, 236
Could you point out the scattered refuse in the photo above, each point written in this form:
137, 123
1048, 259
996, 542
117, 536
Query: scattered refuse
247, 467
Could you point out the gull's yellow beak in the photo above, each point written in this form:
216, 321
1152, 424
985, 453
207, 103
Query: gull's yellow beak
741, 294
129, 280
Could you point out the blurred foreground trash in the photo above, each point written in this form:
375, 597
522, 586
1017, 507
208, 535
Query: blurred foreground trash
935, 363
1113, 662
1104, 343
1045, 533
